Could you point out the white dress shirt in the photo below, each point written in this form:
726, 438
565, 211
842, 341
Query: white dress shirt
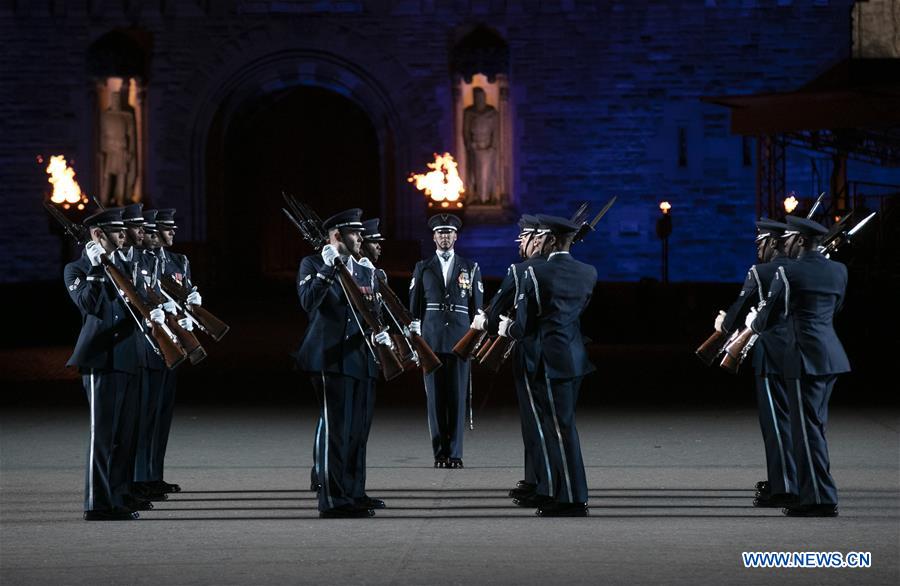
446, 265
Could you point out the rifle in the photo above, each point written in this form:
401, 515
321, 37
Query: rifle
427, 358
202, 318
310, 227
186, 338
163, 341
711, 348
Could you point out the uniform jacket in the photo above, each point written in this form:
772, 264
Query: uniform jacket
333, 341
771, 345
549, 307
445, 311
504, 299
109, 338
811, 294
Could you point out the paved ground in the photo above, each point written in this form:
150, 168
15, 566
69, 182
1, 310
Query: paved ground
670, 503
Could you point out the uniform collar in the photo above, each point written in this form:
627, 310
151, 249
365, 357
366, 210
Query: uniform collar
438, 254
552, 254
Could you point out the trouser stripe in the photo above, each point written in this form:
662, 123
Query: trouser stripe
812, 471
562, 449
787, 486
540, 429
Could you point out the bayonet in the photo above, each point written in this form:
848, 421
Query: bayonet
862, 223
813, 209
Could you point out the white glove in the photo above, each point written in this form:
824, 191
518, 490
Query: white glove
194, 298
157, 316
94, 251
503, 328
478, 322
170, 307
751, 315
366, 263
384, 339
415, 327
186, 323
719, 319
329, 253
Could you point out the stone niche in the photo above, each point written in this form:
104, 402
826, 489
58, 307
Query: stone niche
482, 122
117, 63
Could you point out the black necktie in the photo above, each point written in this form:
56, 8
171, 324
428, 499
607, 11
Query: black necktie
445, 256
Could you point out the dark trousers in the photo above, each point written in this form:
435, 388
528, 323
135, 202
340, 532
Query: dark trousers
164, 416
113, 398
342, 434
537, 463
775, 423
157, 406
556, 399
445, 391
808, 397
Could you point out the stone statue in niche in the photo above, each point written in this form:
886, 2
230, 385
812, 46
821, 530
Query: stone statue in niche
118, 152
481, 136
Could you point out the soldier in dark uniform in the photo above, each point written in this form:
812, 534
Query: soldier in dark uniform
336, 354
549, 305
107, 354
780, 488
371, 252
155, 372
444, 295
810, 291
530, 240
167, 263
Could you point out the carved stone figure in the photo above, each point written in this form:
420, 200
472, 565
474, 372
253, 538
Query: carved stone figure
481, 134
118, 152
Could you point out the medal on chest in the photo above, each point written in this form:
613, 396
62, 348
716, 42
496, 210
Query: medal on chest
465, 284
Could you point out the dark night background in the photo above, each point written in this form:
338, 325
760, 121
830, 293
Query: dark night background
339, 101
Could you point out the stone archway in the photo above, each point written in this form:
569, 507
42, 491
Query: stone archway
270, 60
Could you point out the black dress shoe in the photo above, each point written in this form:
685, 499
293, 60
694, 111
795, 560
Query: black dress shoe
370, 503
168, 487
533, 500
826, 510
518, 493
114, 515
440, 462
347, 512
763, 486
314, 487
526, 485
775, 501
156, 496
455, 463
138, 504
555, 509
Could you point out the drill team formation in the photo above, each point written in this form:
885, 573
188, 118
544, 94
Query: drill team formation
142, 313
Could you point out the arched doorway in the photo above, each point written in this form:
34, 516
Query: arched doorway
304, 140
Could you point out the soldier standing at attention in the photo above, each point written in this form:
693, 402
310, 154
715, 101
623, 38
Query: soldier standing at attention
336, 355
445, 294
548, 311
107, 355
780, 487
530, 240
809, 292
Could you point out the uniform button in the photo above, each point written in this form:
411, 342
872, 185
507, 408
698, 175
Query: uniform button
447, 323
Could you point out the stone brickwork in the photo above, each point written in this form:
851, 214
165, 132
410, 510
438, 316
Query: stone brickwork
600, 91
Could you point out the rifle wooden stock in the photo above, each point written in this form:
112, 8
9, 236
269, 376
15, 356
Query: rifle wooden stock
208, 323
469, 343
186, 338
427, 358
485, 347
736, 350
711, 348
497, 353
391, 366
172, 353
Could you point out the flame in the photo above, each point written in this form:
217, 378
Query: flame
665, 207
443, 182
65, 189
791, 203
